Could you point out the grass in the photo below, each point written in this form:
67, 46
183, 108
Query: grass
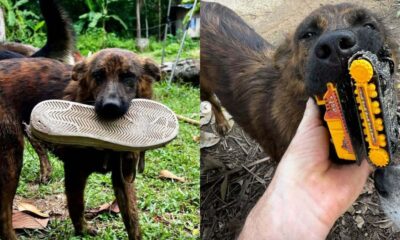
92, 41
89, 43
168, 209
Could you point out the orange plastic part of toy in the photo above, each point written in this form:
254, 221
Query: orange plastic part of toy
336, 124
361, 72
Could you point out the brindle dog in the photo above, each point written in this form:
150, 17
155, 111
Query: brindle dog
265, 89
109, 80
60, 45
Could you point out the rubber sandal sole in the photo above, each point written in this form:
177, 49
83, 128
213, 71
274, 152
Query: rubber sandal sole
146, 125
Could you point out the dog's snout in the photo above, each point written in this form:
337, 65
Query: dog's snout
335, 45
111, 105
111, 108
379, 182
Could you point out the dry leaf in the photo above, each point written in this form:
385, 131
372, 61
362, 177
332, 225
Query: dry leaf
385, 223
106, 207
196, 138
169, 175
21, 220
29, 208
224, 187
208, 139
360, 221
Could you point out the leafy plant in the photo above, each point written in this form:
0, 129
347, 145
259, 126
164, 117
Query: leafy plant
99, 13
21, 24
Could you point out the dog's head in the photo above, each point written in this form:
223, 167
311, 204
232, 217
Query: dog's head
329, 36
387, 183
111, 78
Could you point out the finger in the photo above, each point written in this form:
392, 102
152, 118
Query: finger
311, 117
353, 174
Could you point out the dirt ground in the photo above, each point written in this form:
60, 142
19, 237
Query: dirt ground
234, 170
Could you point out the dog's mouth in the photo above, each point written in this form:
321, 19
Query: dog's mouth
328, 57
111, 109
379, 182
317, 76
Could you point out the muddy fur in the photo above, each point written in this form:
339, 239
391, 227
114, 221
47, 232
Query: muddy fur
387, 183
25, 82
265, 88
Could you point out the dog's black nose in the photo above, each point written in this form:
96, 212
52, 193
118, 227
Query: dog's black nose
379, 182
334, 46
111, 108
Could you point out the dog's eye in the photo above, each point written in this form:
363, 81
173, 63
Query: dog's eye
128, 78
127, 75
370, 26
308, 35
99, 75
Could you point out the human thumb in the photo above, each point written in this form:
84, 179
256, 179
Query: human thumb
311, 117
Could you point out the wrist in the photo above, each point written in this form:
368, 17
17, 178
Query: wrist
285, 215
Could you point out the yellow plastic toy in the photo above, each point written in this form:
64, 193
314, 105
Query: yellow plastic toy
361, 72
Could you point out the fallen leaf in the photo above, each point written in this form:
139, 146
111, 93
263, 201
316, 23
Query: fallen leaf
21, 220
169, 175
106, 207
360, 221
208, 139
196, 138
209, 162
385, 223
29, 208
224, 187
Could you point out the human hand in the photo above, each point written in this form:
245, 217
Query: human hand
308, 192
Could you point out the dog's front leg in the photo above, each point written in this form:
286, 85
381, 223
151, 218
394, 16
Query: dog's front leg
124, 189
221, 124
75, 182
11, 150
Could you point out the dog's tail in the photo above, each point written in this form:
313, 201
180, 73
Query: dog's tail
60, 43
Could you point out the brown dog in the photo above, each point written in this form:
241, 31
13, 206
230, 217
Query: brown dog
109, 79
60, 45
265, 89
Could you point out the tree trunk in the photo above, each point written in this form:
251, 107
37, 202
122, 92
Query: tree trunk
159, 20
2, 26
138, 24
145, 19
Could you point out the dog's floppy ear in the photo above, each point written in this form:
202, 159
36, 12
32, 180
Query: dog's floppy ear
79, 71
151, 69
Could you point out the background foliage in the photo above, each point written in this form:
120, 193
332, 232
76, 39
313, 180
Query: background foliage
168, 210
119, 16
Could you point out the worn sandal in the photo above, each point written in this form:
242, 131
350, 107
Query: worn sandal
146, 125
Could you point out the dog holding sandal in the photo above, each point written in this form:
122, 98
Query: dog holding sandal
109, 80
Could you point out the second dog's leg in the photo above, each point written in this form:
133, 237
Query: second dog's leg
45, 166
75, 182
124, 189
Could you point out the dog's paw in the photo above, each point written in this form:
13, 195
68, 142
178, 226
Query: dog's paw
45, 175
89, 230
222, 129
